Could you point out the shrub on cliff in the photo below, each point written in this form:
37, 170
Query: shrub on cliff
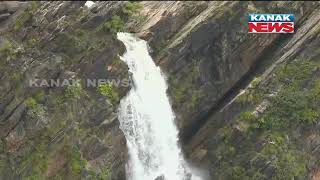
36, 112
7, 50
269, 136
131, 9
74, 163
107, 91
73, 92
116, 24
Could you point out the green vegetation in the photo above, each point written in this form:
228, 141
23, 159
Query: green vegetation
315, 92
179, 94
268, 139
177, 90
31, 103
194, 100
116, 24
32, 42
25, 16
35, 111
73, 92
103, 175
39, 96
22, 20
255, 82
295, 73
107, 90
15, 78
74, 162
290, 107
247, 122
293, 105
2, 145
131, 9
97, 46
55, 100
7, 50
289, 162
79, 132
38, 161
278, 159
33, 6
253, 94
185, 91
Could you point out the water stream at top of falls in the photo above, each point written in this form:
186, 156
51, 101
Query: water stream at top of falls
147, 120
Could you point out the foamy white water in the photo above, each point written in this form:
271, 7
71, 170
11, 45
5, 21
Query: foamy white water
89, 4
147, 120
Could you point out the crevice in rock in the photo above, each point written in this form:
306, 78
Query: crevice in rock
261, 64
19, 110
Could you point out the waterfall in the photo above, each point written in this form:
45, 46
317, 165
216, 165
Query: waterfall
147, 120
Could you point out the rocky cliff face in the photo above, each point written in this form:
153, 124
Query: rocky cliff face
212, 64
246, 104
58, 132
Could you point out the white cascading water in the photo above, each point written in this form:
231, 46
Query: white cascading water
147, 120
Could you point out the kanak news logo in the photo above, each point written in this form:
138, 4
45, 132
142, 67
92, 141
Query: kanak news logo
271, 23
